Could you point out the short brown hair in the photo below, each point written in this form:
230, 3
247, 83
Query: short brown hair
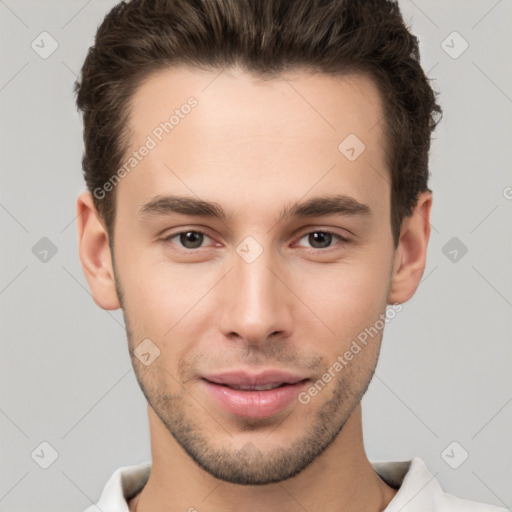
266, 38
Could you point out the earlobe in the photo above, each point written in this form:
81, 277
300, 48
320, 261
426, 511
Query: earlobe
411, 253
95, 253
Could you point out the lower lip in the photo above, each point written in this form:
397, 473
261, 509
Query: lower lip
254, 404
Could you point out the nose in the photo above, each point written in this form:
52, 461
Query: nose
256, 303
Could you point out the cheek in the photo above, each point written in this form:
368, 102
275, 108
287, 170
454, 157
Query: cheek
167, 303
156, 287
347, 297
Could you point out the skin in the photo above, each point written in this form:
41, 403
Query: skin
252, 147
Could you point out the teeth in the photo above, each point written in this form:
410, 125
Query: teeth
265, 387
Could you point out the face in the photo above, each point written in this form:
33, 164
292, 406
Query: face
265, 285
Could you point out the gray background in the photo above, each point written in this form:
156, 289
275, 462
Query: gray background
66, 377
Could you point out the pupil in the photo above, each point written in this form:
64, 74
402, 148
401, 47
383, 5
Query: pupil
191, 239
320, 236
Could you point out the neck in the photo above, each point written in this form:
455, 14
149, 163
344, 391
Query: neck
340, 479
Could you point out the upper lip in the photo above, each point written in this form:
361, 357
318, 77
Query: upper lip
243, 378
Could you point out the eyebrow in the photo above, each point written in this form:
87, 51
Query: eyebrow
315, 207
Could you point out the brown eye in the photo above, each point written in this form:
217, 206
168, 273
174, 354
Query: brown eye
322, 239
193, 238
188, 239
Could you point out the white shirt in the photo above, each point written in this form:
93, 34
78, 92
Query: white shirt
418, 490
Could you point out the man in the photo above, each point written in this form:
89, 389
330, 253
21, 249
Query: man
257, 201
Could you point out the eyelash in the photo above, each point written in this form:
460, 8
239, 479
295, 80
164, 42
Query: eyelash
341, 238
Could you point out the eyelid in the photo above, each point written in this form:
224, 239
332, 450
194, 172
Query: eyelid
319, 229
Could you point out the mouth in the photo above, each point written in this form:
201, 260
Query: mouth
254, 395
263, 387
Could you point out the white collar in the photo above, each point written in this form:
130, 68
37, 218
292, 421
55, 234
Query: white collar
418, 490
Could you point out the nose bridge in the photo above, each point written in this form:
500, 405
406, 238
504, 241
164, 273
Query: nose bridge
257, 305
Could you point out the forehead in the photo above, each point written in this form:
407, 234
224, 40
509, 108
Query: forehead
293, 101
231, 133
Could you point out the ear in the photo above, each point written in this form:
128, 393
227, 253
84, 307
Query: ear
95, 254
411, 253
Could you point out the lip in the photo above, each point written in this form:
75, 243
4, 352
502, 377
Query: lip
254, 403
242, 378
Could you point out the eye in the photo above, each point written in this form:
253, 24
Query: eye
322, 239
190, 239
193, 239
